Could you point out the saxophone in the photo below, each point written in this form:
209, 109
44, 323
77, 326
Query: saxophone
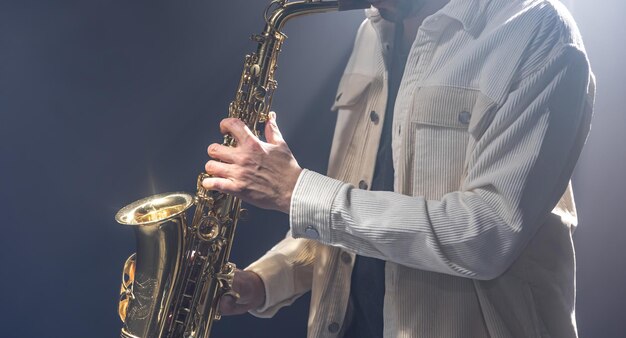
172, 285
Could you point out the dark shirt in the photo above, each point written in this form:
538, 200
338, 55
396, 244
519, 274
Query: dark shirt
367, 289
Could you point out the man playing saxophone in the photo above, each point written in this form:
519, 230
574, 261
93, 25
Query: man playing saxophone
446, 210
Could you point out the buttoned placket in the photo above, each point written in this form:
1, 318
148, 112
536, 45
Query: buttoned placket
377, 113
334, 321
374, 126
374, 119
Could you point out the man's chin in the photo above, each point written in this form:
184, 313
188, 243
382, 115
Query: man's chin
396, 11
390, 15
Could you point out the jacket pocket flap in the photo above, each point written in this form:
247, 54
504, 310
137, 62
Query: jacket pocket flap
351, 89
449, 107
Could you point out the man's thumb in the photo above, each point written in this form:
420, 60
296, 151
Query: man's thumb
272, 134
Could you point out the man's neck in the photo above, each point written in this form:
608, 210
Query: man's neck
413, 22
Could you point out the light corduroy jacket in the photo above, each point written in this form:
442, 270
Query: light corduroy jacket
493, 110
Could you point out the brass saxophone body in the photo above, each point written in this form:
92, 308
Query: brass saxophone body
172, 285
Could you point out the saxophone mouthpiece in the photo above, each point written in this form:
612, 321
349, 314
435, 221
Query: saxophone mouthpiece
346, 5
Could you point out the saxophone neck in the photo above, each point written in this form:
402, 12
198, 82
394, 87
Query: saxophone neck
279, 12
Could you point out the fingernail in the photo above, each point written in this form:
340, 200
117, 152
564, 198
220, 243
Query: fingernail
213, 148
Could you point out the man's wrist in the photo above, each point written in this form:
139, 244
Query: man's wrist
259, 290
285, 205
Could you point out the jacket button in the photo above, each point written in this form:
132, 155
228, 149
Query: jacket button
345, 257
311, 232
464, 117
333, 327
363, 185
374, 117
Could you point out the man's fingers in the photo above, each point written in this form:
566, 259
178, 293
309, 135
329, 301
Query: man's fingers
221, 184
228, 306
218, 169
272, 133
236, 128
222, 153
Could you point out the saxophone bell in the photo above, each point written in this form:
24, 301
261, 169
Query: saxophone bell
160, 223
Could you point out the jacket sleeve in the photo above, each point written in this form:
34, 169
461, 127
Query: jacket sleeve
286, 271
516, 173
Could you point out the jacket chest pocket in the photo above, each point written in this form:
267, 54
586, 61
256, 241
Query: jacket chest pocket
442, 122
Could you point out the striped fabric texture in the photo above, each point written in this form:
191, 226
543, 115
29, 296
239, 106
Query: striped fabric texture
490, 118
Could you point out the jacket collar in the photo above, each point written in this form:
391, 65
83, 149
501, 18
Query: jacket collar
469, 13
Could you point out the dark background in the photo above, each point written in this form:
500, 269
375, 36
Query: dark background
105, 101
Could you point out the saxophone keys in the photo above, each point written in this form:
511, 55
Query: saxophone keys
243, 214
255, 70
257, 38
226, 277
126, 289
209, 228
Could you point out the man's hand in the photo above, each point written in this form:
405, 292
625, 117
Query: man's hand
251, 292
260, 173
